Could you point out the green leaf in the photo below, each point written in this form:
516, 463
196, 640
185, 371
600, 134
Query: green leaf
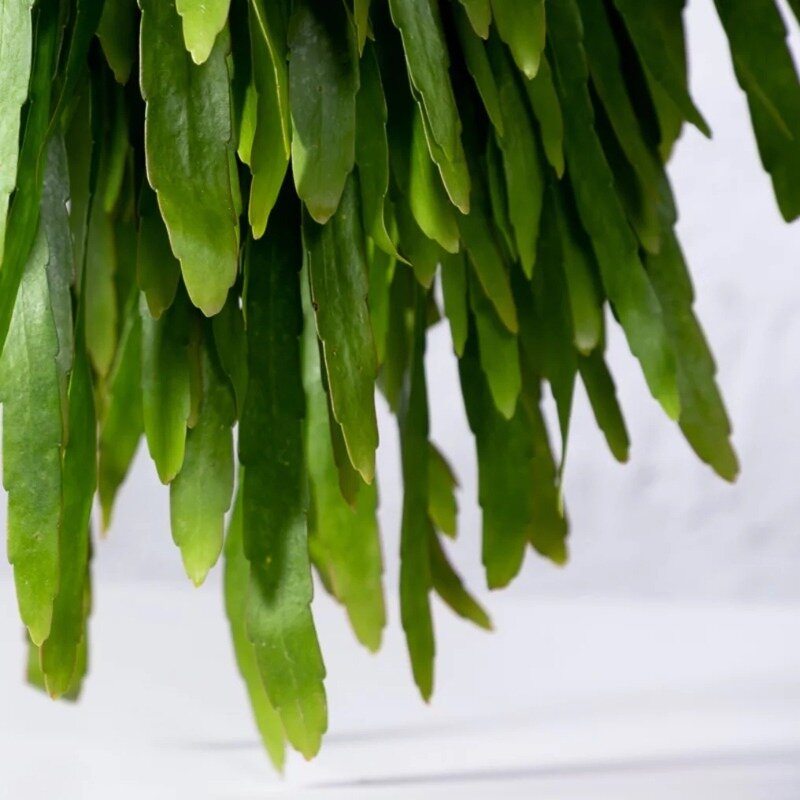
766, 72
32, 440
372, 151
521, 25
426, 196
202, 21
157, 269
521, 162
426, 56
337, 272
121, 422
450, 588
603, 398
101, 295
615, 246
361, 20
498, 353
188, 112
415, 568
547, 109
59, 654
381, 272
703, 419
200, 494
454, 289
15, 66
343, 537
504, 454
118, 37
657, 33
165, 385
479, 13
442, 483
478, 65
323, 82
271, 145
236, 576
231, 345
23, 217
423, 254
279, 621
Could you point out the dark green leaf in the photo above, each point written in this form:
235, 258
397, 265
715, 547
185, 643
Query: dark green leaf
454, 289
521, 25
118, 37
442, 483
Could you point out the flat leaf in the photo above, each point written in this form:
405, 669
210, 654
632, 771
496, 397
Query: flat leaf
766, 72
454, 289
603, 398
202, 21
547, 109
654, 28
450, 588
236, 576
442, 483
428, 62
22, 221
121, 422
323, 82
703, 418
381, 272
521, 25
615, 246
479, 13
32, 440
157, 270
343, 537
361, 20
15, 65
117, 33
60, 653
337, 272
271, 145
415, 530
165, 386
200, 494
188, 112
279, 621
231, 345
101, 294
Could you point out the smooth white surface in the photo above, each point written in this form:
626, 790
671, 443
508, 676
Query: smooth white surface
566, 697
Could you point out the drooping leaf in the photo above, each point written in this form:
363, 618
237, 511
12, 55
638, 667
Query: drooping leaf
323, 82
615, 246
415, 568
279, 621
337, 273
189, 111
32, 440
479, 13
521, 25
202, 21
165, 385
547, 109
200, 493
442, 483
343, 530
117, 33
236, 577
454, 289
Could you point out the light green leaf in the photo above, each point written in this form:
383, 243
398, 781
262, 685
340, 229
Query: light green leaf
521, 25
165, 385
15, 67
32, 441
236, 577
442, 483
202, 21
343, 537
337, 272
200, 494
323, 82
279, 621
188, 112
271, 148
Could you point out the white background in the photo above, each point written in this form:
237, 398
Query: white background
691, 583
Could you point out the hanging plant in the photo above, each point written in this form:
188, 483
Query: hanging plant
240, 212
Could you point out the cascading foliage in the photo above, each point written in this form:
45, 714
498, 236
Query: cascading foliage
240, 212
